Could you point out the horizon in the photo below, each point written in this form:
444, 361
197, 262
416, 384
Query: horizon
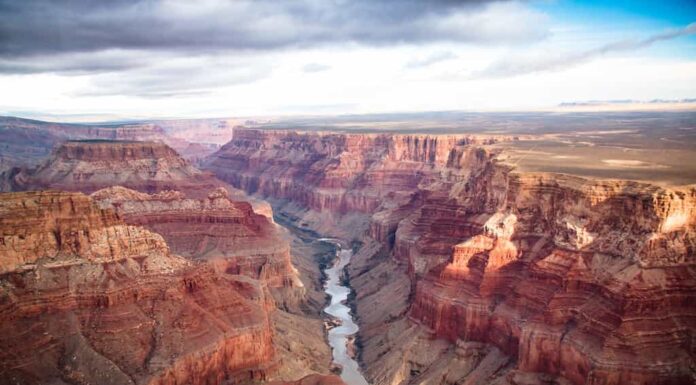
578, 107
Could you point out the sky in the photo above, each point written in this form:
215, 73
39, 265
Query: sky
81, 60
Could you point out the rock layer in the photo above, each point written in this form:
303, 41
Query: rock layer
313, 379
557, 278
26, 142
88, 299
335, 172
90, 165
225, 232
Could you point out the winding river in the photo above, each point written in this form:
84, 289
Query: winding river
338, 336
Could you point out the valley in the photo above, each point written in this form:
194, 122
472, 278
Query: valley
470, 272
466, 267
362, 192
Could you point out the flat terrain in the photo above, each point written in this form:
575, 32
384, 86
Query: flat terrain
653, 146
666, 160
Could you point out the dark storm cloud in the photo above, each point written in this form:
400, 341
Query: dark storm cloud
164, 48
41, 27
78, 63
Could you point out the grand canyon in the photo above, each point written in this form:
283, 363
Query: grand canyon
125, 263
362, 192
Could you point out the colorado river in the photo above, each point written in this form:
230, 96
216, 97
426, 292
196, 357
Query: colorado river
338, 336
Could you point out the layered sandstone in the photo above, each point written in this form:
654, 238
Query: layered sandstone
88, 299
334, 172
225, 232
587, 280
91, 165
313, 379
26, 142
531, 277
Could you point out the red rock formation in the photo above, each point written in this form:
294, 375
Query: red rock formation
88, 166
226, 232
591, 281
26, 142
87, 299
568, 277
314, 379
333, 172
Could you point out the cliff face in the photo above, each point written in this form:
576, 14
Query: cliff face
87, 299
91, 165
26, 142
333, 172
222, 231
35, 225
591, 281
530, 277
313, 380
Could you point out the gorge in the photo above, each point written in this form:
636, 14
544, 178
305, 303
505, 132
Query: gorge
473, 272
346, 327
125, 263
347, 192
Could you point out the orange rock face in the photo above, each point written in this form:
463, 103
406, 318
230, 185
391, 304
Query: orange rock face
586, 281
86, 298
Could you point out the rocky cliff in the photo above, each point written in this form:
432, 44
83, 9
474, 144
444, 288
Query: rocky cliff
26, 142
88, 299
334, 172
471, 272
91, 165
225, 232
313, 380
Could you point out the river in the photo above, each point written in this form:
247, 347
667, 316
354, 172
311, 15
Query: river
338, 336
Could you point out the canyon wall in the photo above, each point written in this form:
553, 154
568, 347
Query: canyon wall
471, 272
94, 276
340, 173
149, 167
224, 232
91, 165
27, 142
89, 299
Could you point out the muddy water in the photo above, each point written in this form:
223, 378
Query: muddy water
338, 336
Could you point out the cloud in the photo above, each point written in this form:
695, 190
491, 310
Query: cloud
40, 28
315, 67
592, 103
178, 77
431, 59
80, 63
167, 48
513, 66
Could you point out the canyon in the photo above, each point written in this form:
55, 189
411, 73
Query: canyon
163, 275
122, 262
470, 271
347, 192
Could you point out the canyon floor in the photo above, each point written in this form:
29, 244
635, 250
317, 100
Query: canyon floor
528, 252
